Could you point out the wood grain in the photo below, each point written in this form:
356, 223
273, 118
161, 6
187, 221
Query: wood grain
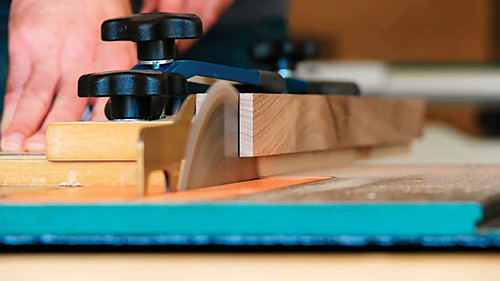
42, 173
104, 141
282, 124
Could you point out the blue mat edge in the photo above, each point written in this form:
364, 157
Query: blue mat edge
339, 219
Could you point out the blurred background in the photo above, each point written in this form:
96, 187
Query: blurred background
400, 31
446, 51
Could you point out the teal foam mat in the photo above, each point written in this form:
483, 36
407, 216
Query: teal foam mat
447, 219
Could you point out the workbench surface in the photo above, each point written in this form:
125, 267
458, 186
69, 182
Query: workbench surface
264, 266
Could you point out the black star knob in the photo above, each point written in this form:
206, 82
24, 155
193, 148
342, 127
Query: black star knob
134, 95
154, 33
283, 53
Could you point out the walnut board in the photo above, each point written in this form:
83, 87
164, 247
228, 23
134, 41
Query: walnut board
282, 124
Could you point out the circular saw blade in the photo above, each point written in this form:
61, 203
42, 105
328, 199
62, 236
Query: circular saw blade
212, 156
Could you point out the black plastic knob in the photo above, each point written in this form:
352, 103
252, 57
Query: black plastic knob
132, 93
335, 88
283, 53
154, 33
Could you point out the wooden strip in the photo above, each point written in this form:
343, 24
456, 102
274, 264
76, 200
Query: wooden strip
104, 141
280, 124
94, 193
157, 193
46, 173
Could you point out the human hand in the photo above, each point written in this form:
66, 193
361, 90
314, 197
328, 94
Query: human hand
51, 44
208, 10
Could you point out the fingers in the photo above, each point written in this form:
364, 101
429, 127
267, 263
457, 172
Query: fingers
34, 103
172, 6
67, 107
17, 76
35, 143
